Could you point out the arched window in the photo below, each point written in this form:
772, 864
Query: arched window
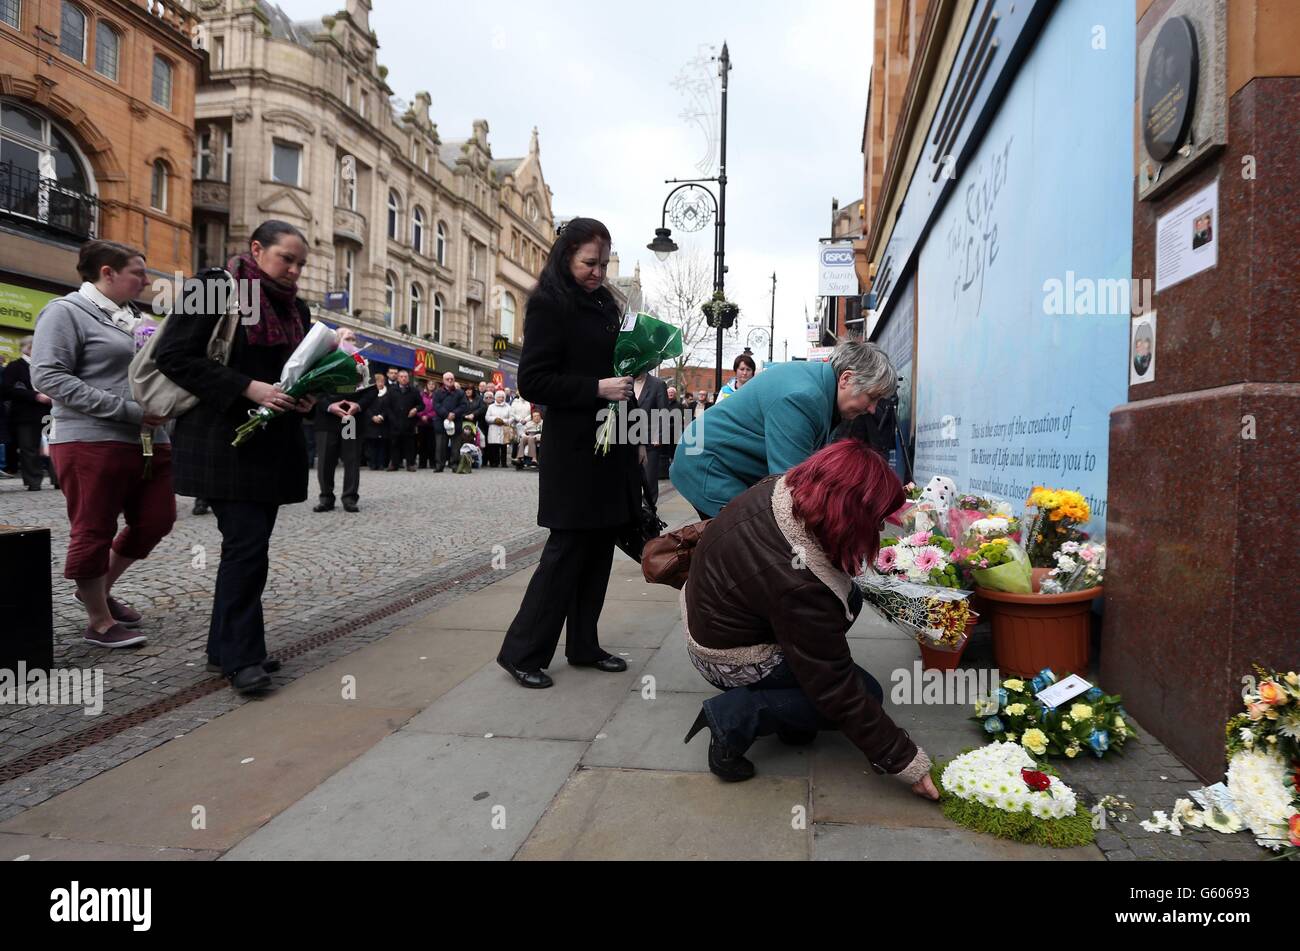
417, 229
107, 46
440, 244
32, 148
394, 214
390, 298
158, 185
72, 32
417, 299
162, 82
508, 315
439, 305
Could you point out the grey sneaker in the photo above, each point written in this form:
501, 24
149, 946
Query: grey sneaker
115, 636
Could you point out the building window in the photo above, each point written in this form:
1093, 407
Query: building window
417, 229
425, 158
205, 156
107, 44
219, 52
416, 302
508, 315
390, 298
227, 153
33, 154
350, 93
158, 186
438, 308
473, 260
440, 244
162, 82
531, 209
365, 104
394, 215
349, 267
72, 32
11, 13
285, 162
415, 153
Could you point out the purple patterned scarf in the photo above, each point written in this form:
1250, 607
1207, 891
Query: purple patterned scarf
271, 330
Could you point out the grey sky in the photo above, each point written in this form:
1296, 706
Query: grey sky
597, 82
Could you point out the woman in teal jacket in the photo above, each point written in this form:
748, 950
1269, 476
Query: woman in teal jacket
776, 421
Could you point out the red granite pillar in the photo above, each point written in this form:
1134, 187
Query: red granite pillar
1203, 524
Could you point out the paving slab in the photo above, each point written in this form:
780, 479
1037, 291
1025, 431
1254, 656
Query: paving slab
421, 796
672, 669
648, 815
37, 848
576, 708
647, 734
150, 800
847, 843
410, 668
846, 789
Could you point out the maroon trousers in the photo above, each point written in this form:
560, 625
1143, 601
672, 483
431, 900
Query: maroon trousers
102, 480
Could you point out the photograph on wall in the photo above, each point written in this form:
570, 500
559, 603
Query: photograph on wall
1187, 238
1142, 350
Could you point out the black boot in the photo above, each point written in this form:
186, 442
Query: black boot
727, 765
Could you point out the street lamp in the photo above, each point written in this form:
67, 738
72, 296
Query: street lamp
663, 244
690, 214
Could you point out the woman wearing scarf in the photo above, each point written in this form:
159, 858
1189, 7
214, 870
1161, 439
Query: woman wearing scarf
767, 607
245, 486
498, 418
80, 357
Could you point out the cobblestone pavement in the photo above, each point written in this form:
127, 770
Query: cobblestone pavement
327, 569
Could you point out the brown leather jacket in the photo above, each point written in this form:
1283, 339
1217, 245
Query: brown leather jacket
744, 589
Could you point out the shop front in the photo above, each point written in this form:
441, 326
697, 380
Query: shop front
19, 308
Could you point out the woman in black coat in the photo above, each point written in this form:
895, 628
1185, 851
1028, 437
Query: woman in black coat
585, 497
245, 486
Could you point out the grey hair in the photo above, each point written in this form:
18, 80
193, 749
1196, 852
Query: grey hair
872, 371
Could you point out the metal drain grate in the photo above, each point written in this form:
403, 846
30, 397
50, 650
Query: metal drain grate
44, 755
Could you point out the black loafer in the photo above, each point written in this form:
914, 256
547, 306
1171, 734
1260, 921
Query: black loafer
252, 679
269, 665
350, 507
322, 507
609, 664
533, 679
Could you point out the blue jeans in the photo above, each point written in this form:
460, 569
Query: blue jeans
775, 704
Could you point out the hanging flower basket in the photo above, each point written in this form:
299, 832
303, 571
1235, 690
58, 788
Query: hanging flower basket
720, 312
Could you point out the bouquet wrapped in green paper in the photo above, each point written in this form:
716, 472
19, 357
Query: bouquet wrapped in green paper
1000, 565
644, 343
316, 366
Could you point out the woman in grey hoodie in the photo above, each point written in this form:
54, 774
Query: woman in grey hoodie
82, 351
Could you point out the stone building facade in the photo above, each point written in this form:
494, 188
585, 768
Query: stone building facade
297, 121
96, 135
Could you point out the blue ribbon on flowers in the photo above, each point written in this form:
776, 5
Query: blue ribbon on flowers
1099, 740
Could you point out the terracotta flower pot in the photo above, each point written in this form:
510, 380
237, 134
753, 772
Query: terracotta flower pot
1036, 578
1033, 631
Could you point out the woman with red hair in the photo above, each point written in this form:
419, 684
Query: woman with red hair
767, 606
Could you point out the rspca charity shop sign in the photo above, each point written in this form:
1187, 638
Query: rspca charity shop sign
836, 277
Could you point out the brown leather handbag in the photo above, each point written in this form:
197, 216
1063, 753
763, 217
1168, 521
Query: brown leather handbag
667, 559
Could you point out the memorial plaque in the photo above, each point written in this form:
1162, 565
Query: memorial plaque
1169, 89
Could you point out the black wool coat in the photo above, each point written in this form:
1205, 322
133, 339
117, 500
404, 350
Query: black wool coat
272, 466
397, 409
568, 350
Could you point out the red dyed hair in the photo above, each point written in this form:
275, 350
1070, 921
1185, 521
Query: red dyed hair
842, 494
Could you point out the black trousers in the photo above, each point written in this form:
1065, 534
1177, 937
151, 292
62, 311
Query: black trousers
569, 585
236, 633
377, 451
27, 437
448, 448
427, 447
401, 451
650, 477
496, 455
331, 447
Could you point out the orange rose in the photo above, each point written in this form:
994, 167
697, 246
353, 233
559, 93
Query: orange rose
1272, 693
1293, 829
